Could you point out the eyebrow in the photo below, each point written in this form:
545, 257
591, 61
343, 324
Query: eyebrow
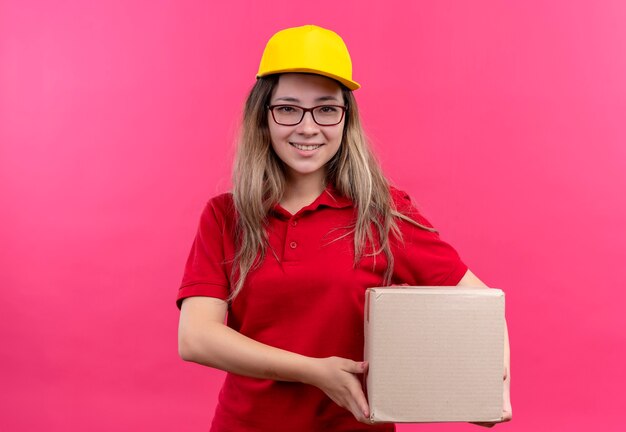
319, 99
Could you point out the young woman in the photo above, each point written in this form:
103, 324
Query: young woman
286, 256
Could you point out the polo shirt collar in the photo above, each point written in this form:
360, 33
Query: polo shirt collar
329, 197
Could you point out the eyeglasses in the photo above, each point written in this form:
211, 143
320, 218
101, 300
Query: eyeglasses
323, 115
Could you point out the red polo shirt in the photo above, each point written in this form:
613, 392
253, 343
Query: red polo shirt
306, 297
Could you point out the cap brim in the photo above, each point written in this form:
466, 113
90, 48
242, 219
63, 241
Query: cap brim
352, 85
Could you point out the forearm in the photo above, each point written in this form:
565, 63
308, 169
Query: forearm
221, 347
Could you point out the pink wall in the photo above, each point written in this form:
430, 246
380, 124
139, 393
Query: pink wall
504, 120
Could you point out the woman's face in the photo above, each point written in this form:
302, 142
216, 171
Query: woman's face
305, 90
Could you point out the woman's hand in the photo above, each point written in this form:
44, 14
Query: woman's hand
338, 378
205, 339
470, 280
507, 412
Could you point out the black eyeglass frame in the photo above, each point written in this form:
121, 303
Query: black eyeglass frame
305, 110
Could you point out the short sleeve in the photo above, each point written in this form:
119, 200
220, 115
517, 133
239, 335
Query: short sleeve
205, 271
424, 259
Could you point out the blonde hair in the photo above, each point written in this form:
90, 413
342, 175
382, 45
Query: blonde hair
259, 183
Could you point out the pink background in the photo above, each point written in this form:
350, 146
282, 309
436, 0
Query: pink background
505, 121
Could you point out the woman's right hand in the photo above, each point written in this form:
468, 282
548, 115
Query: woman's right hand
337, 377
204, 338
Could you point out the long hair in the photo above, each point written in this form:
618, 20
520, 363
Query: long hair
259, 183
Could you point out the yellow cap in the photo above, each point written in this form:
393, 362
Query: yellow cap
309, 49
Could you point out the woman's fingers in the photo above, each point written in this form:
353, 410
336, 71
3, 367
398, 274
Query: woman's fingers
357, 391
354, 367
358, 402
507, 412
359, 398
339, 381
507, 416
484, 424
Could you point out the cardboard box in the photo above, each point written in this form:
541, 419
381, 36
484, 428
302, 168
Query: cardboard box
436, 354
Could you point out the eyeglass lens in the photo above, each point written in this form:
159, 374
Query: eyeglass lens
289, 115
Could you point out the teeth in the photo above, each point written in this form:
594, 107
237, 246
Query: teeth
305, 147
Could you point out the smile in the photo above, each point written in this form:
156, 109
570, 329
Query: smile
306, 147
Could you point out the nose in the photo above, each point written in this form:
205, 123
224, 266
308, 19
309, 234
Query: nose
308, 126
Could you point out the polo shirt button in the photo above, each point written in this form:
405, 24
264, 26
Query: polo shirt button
294, 223
293, 245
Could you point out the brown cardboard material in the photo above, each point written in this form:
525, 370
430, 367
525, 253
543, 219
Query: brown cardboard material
436, 354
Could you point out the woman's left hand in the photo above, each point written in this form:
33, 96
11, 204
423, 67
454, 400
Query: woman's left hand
470, 280
507, 411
